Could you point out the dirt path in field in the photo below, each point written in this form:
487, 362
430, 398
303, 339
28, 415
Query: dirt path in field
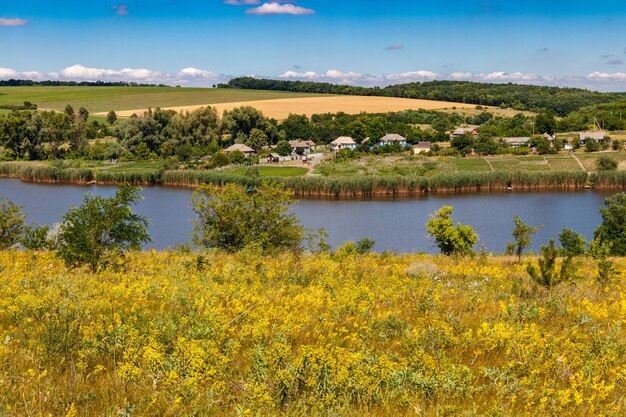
281, 108
579, 163
489, 163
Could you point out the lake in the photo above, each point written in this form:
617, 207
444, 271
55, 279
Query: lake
395, 224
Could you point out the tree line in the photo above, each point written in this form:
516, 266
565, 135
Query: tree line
559, 100
164, 134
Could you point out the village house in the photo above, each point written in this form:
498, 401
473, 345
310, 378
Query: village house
343, 142
392, 138
460, 131
516, 142
422, 147
597, 136
548, 137
273, 157
301, 147
245, 149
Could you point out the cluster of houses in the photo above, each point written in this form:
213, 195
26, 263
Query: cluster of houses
583, 136
302, 148
346, 142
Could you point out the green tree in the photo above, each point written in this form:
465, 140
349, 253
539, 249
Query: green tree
232, 218
600, 251
364, 245
112, 117
548, 274
283, 148
545, 123
451, 239
523, 236
572, 243
606, 163
612, 230
69, 110
101, 229
257, 139
83, 114
35, 237
11, 223
592, 145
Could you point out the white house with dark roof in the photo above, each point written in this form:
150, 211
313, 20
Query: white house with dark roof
392, 138
422, 147
343, 142
516, 142
301, 147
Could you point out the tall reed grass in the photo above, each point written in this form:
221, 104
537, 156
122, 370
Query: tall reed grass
357, 186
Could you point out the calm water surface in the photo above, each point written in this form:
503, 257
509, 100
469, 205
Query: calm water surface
396, 224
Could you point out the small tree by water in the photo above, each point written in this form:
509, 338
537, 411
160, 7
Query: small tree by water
451, 239
522, 234
101, 229
233, 218
548, 274
11, 223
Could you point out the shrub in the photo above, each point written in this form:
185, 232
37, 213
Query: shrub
572, 243
523, 236
102, 229
600, 251
606, 163
548, 275
613, 228
35, 237
232, 218
11, 223
451, 239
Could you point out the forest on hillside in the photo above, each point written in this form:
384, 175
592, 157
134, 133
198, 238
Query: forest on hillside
558, 100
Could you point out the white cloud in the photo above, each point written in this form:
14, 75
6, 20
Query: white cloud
186, 76
192, 72
307, 75
7, 73
412, 75
12, 22
607, 76
461, 75
279, 8
505, 76
92, 74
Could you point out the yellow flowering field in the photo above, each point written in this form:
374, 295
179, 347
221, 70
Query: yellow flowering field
175, 334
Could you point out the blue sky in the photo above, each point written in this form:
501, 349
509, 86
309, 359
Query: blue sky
348, 41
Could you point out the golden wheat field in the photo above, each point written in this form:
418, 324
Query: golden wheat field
183, 334
281, 108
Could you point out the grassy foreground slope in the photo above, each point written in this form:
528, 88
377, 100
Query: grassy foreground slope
307, 335
104, 99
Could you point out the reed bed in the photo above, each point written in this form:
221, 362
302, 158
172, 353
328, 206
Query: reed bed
608, 179
143, 177
357, 186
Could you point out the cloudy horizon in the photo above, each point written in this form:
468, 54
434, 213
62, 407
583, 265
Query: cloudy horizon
357, 42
